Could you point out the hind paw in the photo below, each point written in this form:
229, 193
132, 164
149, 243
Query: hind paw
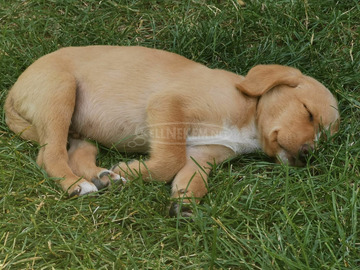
83, 188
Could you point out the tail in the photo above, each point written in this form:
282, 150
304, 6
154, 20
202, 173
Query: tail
17, 123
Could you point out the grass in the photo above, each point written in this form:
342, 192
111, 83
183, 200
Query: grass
257, 215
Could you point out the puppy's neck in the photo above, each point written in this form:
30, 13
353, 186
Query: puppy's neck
246, 138
241, 140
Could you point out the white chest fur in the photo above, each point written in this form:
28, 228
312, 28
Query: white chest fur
241, 141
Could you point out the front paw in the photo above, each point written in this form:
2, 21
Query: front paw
182, 210
105, 178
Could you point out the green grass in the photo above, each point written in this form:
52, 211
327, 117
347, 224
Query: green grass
257, 215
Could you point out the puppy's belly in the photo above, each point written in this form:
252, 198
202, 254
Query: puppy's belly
120, 134
112, 123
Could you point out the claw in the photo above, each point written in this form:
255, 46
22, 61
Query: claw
76, 192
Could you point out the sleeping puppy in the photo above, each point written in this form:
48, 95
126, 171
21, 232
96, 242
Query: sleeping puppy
185, 114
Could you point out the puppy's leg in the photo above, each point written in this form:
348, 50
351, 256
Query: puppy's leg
168, 131
191, 180
82, 161
54, 109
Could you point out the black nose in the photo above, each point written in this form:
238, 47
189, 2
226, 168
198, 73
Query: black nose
304, 152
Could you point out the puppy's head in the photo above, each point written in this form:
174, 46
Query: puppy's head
293, 110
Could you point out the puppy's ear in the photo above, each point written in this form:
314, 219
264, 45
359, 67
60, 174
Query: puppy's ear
262, 78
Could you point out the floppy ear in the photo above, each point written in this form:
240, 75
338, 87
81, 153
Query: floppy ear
262, 78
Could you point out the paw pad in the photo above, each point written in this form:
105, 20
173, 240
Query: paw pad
105, 178
183, 210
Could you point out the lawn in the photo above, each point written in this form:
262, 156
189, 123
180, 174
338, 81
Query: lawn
257, 215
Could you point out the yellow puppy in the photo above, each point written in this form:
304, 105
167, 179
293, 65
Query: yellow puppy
141, 99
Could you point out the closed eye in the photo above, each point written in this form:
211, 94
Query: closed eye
311, 117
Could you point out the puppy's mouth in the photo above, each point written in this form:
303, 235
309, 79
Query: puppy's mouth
298, 160
286, 158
